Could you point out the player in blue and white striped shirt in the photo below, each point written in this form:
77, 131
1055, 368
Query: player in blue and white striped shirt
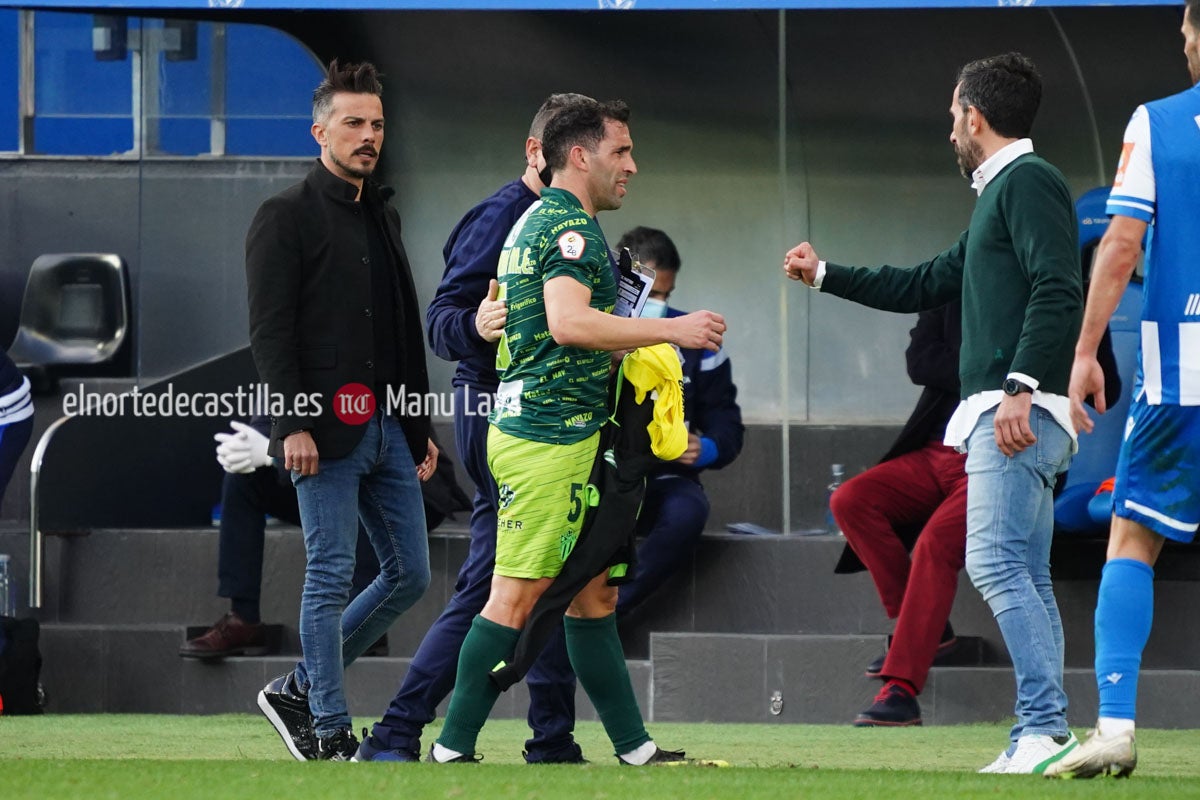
16, 418
1157, 494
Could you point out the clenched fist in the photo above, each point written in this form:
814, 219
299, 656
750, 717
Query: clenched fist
800, 263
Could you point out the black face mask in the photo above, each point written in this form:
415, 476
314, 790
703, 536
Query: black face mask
545, 175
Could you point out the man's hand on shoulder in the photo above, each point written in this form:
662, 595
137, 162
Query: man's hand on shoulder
700, 330
428, 466
800, 263
300, 453
491, 315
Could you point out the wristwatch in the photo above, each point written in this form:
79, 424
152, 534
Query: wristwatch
1013, 387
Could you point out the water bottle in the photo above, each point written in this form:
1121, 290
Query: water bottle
8, 594
838, 472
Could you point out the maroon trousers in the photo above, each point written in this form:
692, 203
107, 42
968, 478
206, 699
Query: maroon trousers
926, 487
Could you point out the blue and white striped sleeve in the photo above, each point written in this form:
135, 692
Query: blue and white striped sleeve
1133, 192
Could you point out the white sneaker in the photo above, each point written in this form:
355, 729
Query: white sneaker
1099, 755
999, 765
1036, 751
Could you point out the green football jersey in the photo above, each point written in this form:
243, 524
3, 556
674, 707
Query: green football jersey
548, 392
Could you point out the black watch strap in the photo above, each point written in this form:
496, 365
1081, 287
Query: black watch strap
1013, 387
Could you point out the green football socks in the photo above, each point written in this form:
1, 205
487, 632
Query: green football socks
599, 663
487, 644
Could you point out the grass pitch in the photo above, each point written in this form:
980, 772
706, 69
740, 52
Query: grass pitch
239, 756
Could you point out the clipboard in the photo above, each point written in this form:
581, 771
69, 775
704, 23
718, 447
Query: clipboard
634, 283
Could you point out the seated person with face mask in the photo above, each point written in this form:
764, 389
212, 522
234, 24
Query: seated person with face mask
675, 508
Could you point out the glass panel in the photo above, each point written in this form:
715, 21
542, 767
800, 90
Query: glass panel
193, 211
874, 193
10, 53
84, 105
278, 137
183, 56
269, 82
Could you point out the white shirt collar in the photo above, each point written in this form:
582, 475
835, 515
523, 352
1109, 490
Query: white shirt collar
1000, 159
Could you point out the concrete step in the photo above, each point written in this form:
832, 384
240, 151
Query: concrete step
689, 678
734, 584
90, 669
765, 585
169, 578
819, 679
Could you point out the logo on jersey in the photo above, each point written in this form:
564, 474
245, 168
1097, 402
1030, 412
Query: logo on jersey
1193, 305
506, 495
566, 543
1197, 118
571, 244
1123, 164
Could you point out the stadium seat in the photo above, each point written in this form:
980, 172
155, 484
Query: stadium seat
1097, 456
1096, 460
74, 314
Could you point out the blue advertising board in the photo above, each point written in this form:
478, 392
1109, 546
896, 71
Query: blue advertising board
556, 5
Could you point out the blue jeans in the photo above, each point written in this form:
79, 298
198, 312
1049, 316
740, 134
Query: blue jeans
244, 501
377, 483
1010, 522
434, 667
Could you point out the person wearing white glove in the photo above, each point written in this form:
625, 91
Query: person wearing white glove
253, 487
243, 451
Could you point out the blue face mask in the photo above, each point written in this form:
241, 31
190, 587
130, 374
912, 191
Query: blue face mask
654, 308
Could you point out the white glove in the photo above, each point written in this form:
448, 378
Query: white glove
242, 452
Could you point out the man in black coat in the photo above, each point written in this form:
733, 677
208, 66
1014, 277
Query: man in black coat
336, 335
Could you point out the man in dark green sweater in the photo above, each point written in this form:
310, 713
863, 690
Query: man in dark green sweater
1016, 268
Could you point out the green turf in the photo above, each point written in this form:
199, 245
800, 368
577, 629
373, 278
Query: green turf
239, 756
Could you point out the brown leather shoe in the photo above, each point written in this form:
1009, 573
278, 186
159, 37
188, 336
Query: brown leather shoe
231, 636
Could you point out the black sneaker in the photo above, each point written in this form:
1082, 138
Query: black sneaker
465, 758
572, 754
287, 710
894, 707
660, 758
337, 746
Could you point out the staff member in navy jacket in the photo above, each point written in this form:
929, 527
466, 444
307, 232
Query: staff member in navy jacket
675, 508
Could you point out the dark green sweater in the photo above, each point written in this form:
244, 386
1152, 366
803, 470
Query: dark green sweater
1017, 270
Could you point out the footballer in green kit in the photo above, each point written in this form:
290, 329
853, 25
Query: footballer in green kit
551, 399
558, 282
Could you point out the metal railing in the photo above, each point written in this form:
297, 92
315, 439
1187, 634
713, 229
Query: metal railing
36, 539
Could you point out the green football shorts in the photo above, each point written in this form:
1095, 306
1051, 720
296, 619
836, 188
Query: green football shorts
541, 501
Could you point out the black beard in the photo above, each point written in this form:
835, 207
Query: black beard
969, 156
349, 170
